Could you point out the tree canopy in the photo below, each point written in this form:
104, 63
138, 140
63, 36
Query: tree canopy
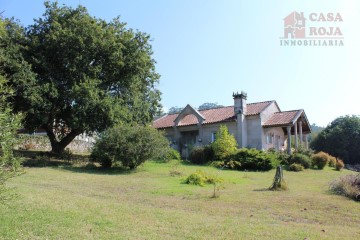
340, 139
9, 121
209, 106
203, 106
89, 74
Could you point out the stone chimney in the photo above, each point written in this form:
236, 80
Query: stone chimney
241, 124
240, 102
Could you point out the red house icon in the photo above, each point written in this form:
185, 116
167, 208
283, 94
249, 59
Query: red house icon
294, 25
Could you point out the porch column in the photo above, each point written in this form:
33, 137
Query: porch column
289, 139
301, 133
296, 136
199, 142
306, 142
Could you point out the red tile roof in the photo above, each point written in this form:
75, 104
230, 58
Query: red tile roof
256, 108
282, 118
215, 115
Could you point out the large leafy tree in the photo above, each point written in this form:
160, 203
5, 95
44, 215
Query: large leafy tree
340, 139
9, 122
90, 74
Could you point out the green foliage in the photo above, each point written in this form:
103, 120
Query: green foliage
301, 159
253, 159
201, 178
296, 167
197, 178
201, 155
282, 156
320, 160
348, 186
174, 110
128, 145
224, 145
304, 151
205, 106
9, 122
341, 139
339, 165
90, 74
315, 130
166, 154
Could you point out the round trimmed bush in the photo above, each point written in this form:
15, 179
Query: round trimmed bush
168, 154
128, 145
339, 165
201, 155
301, 159
320, 160
252, 159
296, 167
332, 161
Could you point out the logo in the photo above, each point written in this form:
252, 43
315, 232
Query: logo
318, 29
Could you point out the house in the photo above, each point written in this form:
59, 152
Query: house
294, 25
260, 125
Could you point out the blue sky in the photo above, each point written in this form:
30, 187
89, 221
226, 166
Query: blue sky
207, 49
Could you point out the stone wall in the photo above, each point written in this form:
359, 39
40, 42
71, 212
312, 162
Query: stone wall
42, 143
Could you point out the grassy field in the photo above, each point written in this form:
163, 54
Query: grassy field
76, 203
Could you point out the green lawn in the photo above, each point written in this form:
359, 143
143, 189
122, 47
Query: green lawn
75, 203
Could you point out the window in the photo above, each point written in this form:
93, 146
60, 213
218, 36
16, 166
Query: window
213, 136
269, 138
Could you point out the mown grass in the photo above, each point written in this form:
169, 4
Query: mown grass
79, 203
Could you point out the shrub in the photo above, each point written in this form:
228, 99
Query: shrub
201, 155
173, 154
9, 124
339, 165
296, 167
301, 159
197, 178
320, 160
304, 151
201, 178
251, 159
224, 145
283, 157
332, 161
128, 145
168, 154
348, 186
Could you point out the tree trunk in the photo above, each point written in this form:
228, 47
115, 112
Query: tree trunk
279, 182
58, 147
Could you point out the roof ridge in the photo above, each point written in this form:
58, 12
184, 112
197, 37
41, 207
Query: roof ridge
261, 102
215, 108
291, 111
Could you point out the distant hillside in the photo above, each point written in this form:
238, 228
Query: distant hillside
315, 130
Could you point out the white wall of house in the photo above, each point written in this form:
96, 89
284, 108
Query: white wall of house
264, 116
268, 112
254, 132
209, 129
274, 138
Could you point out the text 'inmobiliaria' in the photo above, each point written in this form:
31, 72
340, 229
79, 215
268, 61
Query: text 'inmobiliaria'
318, 29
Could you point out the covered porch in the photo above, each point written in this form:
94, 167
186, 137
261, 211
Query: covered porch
294, 123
